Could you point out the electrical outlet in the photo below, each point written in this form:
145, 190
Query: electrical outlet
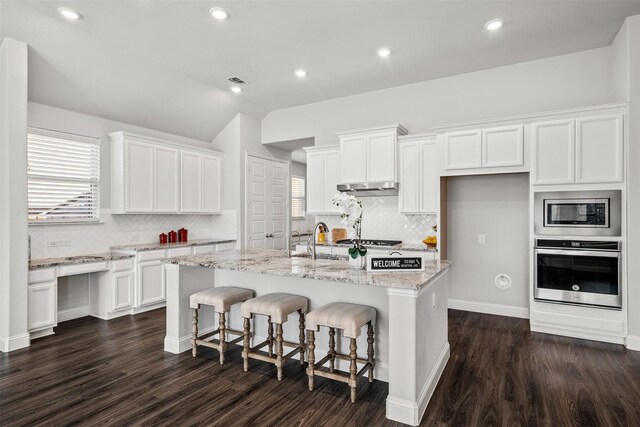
58, 243
481, 238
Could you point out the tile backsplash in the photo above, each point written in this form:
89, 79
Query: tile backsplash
381, 220
125, 229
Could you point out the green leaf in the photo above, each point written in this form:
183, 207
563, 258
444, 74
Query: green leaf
362, 251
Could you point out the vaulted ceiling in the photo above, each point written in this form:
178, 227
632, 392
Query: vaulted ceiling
164, 64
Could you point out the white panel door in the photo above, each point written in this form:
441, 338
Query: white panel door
166, 180
331, 179
503, 146
122, 290
409, 174
211, 184
42, 305
553, 152
315, 182
429, 180
381, 157
139, 177
353, 159
191, 182
277, 209
150, 282
599, 152
463, 150
257, 200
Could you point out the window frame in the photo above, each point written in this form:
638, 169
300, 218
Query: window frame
303, 198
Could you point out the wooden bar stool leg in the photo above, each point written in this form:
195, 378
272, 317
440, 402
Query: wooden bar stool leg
279, 350
301, 336
353, 369
370, 359
246, 336
194, 332
312, 358
332, 348
223, 338
270, 337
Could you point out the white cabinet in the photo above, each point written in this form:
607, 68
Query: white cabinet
582, 150
419, 180
369, 155
323, 176
484, 148
150, 283
153, 176
42, 300
463, 150
122, 282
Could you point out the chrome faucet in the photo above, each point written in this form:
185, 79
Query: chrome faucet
313, 238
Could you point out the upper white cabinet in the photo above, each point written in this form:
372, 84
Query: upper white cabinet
418, 174
323, 177
484, 148
153, 176
369, 155
581, 150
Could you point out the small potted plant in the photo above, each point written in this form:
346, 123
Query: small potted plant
351, 216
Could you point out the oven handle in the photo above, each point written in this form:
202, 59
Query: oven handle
605, 254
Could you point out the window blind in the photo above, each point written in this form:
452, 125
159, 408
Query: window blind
63, 177
297, 197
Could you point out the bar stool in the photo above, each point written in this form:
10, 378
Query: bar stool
350, 318
277, 307
221, 298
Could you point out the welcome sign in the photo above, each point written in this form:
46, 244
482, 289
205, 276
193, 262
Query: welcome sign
395, 262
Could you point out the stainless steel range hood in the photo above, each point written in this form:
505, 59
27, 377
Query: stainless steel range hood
388, 188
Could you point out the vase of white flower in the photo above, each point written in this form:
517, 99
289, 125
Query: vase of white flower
351, 216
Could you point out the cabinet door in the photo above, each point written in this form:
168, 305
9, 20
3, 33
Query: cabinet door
331, 179
353, 159
150, 282
429, 180
42, 305
381, 157
503, 146
409, 174
166, 188
191, 182
463, 150
315, 182
599, 149
122, 290
211, 184
553, 152
139, 177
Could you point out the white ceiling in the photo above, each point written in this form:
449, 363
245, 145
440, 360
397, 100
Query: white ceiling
164, 64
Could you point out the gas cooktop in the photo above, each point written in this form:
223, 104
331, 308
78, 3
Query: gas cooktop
371, 242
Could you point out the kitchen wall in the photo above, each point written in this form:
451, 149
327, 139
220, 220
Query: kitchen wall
381, 220
496, 206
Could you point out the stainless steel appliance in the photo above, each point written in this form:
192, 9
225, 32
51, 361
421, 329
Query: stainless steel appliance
578, 213
368, 189
578, 272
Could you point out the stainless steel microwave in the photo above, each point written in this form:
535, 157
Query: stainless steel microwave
578, 213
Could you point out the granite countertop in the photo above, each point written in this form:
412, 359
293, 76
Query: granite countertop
276, 263
77, 259
156, 245
420, 247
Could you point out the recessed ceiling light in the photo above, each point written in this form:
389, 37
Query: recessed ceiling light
384, 52
219, 13
494, 24
69, 13
301, 73
236, 89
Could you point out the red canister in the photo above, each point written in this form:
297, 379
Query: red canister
173, 237
163, 238
183, 234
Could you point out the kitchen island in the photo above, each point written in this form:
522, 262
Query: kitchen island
411, 330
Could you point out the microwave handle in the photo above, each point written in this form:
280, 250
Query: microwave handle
604, 254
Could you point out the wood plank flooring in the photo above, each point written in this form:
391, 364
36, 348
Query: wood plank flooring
95, 372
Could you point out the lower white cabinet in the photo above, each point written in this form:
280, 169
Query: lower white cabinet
42, 300
122, 290
419, 174
150, 283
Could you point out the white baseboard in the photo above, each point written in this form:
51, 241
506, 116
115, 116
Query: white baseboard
73, 313
15, 342
148, 307
408, 412
488, 308
180, 345
42, 333
632, 342
575, 333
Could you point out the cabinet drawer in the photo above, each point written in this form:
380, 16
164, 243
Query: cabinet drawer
151, 255
178, 252
90, 267
122, 265
202, 250
42, 275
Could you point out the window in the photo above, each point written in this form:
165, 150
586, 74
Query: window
63, 177
297, 197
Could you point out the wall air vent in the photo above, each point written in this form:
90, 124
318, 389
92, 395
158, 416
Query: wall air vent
237, 80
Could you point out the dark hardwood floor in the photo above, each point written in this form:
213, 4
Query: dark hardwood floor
94, 372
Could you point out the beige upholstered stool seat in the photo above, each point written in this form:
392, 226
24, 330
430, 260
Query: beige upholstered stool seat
221, 299
277, 307
349, 318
